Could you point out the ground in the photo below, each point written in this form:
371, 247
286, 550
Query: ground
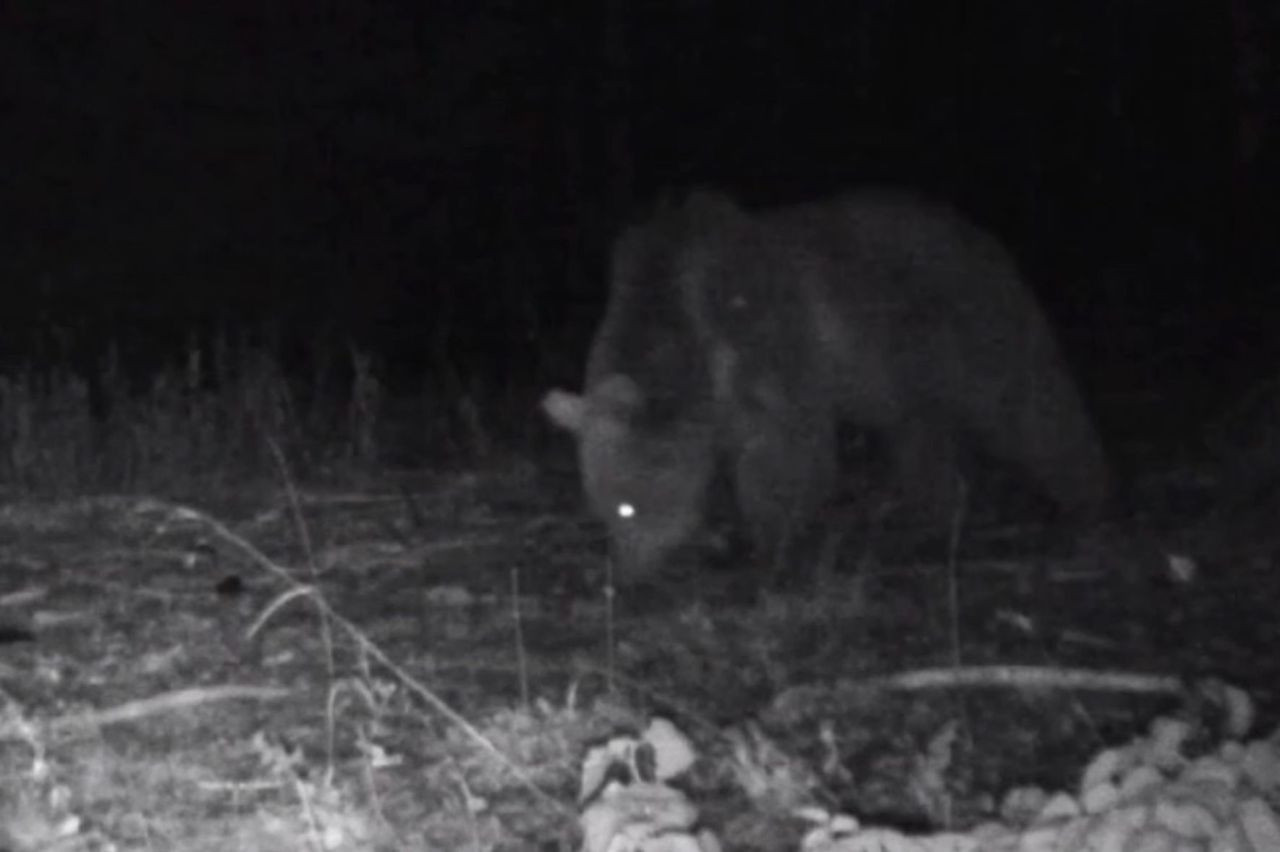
420, 661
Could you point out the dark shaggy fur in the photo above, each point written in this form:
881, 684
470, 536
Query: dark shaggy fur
739, 342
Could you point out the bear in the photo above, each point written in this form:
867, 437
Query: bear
736, 344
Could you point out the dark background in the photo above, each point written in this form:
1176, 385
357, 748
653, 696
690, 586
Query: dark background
438, 183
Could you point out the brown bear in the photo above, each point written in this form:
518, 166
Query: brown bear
737, 342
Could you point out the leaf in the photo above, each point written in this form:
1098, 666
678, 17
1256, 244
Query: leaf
673, 752
631, 817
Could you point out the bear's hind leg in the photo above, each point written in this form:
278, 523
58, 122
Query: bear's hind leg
929, 477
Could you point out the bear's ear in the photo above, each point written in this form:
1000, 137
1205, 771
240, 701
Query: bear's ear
564, 409
617, 397
613, 400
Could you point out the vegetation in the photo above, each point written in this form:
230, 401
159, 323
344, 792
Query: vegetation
244, 611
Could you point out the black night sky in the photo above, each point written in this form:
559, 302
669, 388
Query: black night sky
440, 183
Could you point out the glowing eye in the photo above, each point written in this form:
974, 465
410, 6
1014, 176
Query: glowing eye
626, 510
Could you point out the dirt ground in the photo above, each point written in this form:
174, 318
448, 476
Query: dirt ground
422, 662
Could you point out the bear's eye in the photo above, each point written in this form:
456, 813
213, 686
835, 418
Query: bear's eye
626, 511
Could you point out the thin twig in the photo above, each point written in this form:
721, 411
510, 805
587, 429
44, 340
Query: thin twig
256, 556
167, 702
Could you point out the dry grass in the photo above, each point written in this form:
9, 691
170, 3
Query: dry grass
398, 663
203, 422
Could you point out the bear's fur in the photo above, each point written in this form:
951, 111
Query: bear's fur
739, 341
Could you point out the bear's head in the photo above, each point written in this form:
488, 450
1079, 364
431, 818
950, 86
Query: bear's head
646, 481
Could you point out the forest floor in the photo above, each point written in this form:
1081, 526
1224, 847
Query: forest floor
424, 661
